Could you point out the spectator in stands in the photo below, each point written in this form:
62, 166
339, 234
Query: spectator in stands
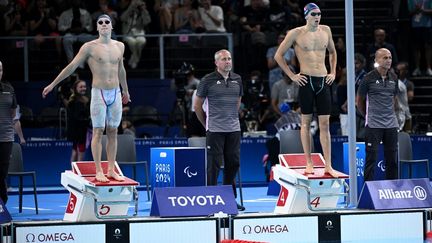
311, 42
380, 42
257, 106
279, 17
341, 93
104, 8
360, 72
186, 19
165, 9
78, 114
284, 91
8, 106
421, 24
296, 12
223, 91
43, 22
275, 72
76, 25
341, 54
105, 58
134, 21
128, 127
212, 17
375, 97
405, 95
191, 84
15, 20
252, 20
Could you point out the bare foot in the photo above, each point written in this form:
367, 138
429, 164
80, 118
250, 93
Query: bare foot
115, 176
309, 169
331, 172
101, 177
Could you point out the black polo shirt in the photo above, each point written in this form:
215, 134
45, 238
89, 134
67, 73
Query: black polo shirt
222, 97
379, 94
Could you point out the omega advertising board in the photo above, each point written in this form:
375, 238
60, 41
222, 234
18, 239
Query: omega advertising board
300, 229
83, 233
179, 231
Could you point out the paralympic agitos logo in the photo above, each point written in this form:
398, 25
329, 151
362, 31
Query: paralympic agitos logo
188, 172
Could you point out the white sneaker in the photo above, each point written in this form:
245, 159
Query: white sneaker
429, 72
417, 72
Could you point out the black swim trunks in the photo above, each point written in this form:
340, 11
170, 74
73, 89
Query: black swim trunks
316, 90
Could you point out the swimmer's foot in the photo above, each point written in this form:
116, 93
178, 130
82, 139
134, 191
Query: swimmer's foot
331, 172
115, 176
309, 169
101, 177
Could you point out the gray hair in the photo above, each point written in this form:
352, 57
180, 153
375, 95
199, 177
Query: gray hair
217, 54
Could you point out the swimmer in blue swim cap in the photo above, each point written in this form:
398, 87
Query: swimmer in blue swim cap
311, 43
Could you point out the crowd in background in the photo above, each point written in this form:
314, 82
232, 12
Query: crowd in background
260, 25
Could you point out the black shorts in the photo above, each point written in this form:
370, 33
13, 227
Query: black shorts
316, 90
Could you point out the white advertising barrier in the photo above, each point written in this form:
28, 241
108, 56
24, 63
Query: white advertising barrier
302, 229
383, 227
90, 200
305, 193
184, 231
88, 233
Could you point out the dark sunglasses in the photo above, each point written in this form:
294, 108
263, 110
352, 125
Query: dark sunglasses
106, 22
316, 14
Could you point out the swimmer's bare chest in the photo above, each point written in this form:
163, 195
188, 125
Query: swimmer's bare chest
312, 41
104, 62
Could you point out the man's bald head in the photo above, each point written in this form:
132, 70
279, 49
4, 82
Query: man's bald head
383, 58
382, 51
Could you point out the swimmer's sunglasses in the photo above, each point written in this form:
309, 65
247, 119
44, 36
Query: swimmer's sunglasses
313, 14
106, 22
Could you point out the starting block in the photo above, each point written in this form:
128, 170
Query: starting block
303, 193
91, 200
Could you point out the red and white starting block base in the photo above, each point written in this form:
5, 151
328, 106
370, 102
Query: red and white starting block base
91, 200
303, 193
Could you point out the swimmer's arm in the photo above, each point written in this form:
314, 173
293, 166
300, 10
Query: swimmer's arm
332, 56
122, 77
79, 59
283, 47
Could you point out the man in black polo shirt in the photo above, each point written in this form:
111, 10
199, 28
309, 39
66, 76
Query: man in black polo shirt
223, 90
8, 105
375, 100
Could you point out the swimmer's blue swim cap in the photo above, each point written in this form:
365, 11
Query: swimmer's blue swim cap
309, 7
